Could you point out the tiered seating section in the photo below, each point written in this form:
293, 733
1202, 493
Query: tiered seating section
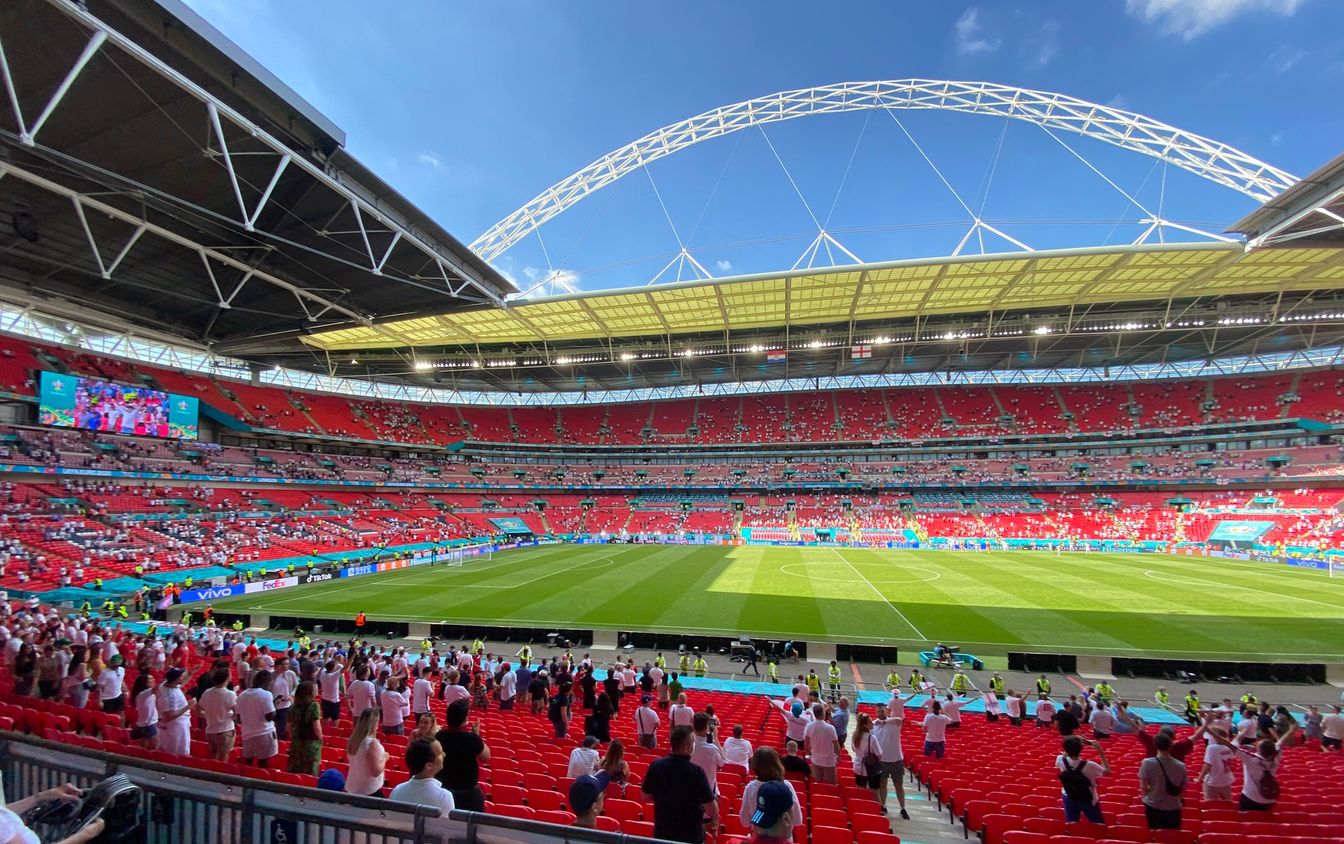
825, 416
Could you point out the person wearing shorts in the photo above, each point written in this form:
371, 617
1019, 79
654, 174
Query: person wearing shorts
256, 719
887, 737
863, 745
218, 706
331, 683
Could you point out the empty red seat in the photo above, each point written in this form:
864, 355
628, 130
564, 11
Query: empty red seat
831, 835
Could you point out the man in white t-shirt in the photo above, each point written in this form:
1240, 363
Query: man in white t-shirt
1216, 774
331, 686
362, 693
1102, 721
508, 688
1013, 706
646, 723
421, 693
952, 709
424, 759
218, 706
283, 685
256, 721
452, 691
705, 754
583, 759
111, 683
887, 734
1045, 711
822, 743
1332, 729
681, 715
737, 750
935, 731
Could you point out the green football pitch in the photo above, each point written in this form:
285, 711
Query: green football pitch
987, 602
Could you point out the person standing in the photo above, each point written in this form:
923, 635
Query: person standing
865, 753
767, 769
823, 745
646, 724
1162, 781
1042, 687
331, 683
174, 723
683, 802
705, 754
464, 750
1259, 772
737, 750
1078, 778
305, 732
935, 731
391, 703
1045, 711
1014, 706
282, 691
891, 756
256, 721
1332, 729
218, 705
366, 756
424, 760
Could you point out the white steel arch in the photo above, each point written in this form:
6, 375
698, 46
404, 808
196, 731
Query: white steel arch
1202, 156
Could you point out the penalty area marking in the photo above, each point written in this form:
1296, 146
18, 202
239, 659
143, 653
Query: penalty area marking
1187, 580
788, 569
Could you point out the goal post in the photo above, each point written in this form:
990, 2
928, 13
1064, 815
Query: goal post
461, 554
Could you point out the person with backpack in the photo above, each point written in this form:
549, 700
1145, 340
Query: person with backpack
1259, 771
1162, 780
1079, 777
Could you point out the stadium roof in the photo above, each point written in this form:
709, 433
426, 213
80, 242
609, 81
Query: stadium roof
900, 290
1310, 213
153, 175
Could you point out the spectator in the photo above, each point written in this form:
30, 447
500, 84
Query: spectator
706, 754
772, 813
146, 730
823, 745
737, 750
14, 831
767, 767
366, 756
391, 701
614, 764
683, 802
174, 724
218, 705
793, 763
282, 691
463, 751
586, 797
1259, 773
1045, 710
935, 731
111, 687
363, 696
305, 732
426, 727
424, 760
508, 688
1332, 729
1162, 781
646, 724
331, 683
559, 710
583, 759
422, 690
680, 715
599, 722
256, 721
1216, 773
867, 761
1065, 718
1079, 779
1014, 705
887, 738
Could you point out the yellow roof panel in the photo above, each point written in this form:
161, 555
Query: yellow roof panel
880, 291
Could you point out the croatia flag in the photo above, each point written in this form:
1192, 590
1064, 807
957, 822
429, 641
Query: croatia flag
776, 356
860, 352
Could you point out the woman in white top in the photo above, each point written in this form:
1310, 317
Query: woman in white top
174, 725
391, 702
146, 730
366, 756
256, 721
765, 765
862, 745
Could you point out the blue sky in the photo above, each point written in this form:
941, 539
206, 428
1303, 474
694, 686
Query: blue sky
471, 109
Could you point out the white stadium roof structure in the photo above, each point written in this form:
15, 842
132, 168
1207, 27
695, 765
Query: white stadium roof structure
259, 243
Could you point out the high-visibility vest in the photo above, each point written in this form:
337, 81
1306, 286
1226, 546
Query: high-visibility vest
1162, 698
834, 673
893, 679
1191, 704
996, 684
959, 682
1043, 685
813, 682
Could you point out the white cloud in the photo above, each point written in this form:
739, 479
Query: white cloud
969, 35
1047, 45
430, 159
1192, 18
1276, 138
1283, 57
723, 266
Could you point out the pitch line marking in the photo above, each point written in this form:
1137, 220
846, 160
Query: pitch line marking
787, 569
879, 594
1187, 580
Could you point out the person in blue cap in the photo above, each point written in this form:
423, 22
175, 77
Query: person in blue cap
586, 795
772, 822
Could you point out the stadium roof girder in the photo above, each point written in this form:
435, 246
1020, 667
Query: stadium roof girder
871, 293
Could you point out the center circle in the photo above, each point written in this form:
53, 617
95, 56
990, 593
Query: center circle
789, 568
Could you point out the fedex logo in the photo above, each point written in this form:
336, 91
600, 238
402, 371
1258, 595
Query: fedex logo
273, 584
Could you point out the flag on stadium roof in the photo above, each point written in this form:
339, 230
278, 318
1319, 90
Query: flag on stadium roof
776, 356
860, 352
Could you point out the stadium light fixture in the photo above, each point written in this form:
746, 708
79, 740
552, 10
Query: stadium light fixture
422, 365
1042, 329
815, 344
627, 356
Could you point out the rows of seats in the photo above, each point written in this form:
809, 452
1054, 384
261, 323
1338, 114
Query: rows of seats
828, 416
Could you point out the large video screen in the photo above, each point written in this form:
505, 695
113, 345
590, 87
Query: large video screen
71, 401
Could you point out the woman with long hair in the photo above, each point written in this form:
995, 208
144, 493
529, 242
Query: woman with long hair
25, 669
767, 767
305, 731
146, 730
866, 754
614, 764
599, 722
366, 755
425, 728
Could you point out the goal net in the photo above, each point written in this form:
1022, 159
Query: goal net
463, 553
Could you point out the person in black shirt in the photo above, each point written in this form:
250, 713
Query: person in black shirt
463, 751
1066, 721
793, 763
612, 686
683, 800
599, 723
589, 685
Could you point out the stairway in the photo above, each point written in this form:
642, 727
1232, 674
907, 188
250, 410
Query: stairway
1072, 419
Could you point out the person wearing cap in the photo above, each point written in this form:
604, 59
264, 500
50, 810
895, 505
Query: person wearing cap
424, 759
586, 797
584, 758
683, 801
647, 723
771, 818
174, 725
796, 719
767, 769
